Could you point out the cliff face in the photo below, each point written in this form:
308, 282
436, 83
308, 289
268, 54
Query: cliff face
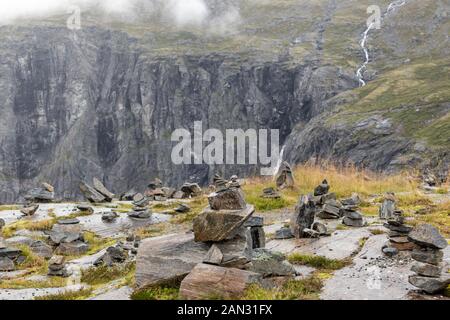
104, 101
96, 105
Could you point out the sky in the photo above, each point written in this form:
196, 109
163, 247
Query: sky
181, 11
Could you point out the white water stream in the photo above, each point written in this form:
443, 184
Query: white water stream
360, 72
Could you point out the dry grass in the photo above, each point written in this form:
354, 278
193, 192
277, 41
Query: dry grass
305, 289
97, 243
43, 225
104, 274
318, 262
53, 282
343, 181
68, 295
197, 205
9, 207
439, 216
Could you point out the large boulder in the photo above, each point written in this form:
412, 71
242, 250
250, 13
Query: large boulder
167, 258
91, 194
40, 195
303, 216
221, 225
100, 187
208, 281
426, 235
285, 177
227, 199
268, 263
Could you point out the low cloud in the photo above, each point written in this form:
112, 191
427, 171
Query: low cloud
181, 13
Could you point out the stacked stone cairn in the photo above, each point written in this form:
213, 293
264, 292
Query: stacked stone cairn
398, 235
10, 257
43, 194
285, 177
67, 238
236, 256
57, 267
431, 274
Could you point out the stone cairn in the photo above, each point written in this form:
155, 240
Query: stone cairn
236, 254
57, 267
431, 274
9, 257
285, 178
398, 234
67, 238
43, 194
324, 205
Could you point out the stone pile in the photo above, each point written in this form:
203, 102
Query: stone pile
57, 267
285, 177
67, 238
236, 239
140, 213
431, 274
398, 235
96, 193
9, 257
270, 193
43, 194
30, 210
84, 208
110, 216
113, 255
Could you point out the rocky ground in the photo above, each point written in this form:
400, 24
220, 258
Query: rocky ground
89, 243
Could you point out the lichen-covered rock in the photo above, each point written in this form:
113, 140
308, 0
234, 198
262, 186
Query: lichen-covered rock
427, 270
285, 176
303, 216
429, 255
269, 263
228, 199
221, 225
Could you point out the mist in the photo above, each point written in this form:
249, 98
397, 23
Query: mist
181, 13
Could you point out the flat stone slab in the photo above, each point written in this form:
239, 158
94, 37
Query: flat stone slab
120, 294
371, 277
341, 244
30, 294
168, 258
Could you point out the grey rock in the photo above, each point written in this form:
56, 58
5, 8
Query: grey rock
237, 251
388, 207
91, 194
427, 235
402, 229
322, 189
390, 252
85, 208
354, 200
41, 249
258, 237
2, 223
167, 258
29, 211
320, 228
228, 199
183, 208
284, 233
268, 263
427, 270
129, 195
19, 241
112, 256
285, 176
215, 226
68, 221
143, 202
40, 195
270, 193
430, 285
178, 195
11, 253
75, 248
140, 214
358, 223
100, 187
214, 256
191, 190
303, 216
6, 264
254, 221
110, 216
431, 256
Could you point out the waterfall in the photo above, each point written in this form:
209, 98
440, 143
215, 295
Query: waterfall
360, 72
280, 161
